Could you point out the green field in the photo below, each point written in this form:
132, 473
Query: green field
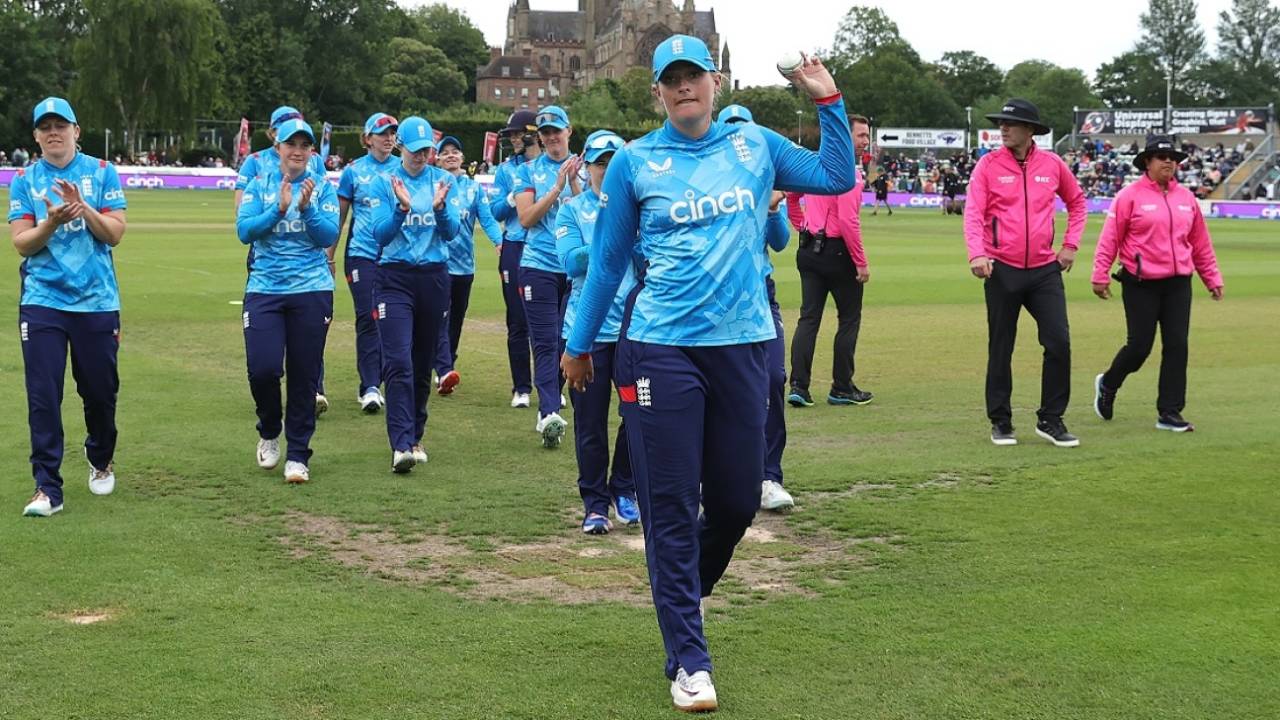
925, 573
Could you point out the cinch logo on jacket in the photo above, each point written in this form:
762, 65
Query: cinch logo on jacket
696, 209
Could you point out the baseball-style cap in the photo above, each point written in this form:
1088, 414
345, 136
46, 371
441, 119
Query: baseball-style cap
448, 140
599, 143
53, 106
415, 134
735, 114
292, 127
379, 123
682, 48
284, 113
552, 116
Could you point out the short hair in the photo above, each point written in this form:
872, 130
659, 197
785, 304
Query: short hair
859, 119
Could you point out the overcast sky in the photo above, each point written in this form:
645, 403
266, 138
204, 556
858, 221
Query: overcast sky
1006, 32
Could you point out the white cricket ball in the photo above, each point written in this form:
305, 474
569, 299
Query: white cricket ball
789, 63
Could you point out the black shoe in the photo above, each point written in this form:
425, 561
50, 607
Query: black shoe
1055, 431
1104, 400
799, 398
1173, 421
857, 397
1002, 433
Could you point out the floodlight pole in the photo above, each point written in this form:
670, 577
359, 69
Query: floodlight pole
1168, 102
106, 150
799, 113
968, 126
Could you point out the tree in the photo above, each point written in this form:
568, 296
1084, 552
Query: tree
1174, 36
864, 31
967, 76
1249, 37
419, 79
450, 30
345, 49
773, 106
265, 56
891, 90
29, 64
1054, 90
147, 63
635, 96
595, 105
1131, 80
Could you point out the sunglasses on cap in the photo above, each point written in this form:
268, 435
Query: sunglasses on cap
382, 123
286, 118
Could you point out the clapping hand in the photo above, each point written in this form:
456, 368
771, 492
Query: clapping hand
286, 196
305, 192
72, 206
442, 190
401, 193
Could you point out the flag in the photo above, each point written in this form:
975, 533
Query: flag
241, 149
490, 146
325, 136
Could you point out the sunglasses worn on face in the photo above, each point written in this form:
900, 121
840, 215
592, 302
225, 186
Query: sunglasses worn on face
1162, 156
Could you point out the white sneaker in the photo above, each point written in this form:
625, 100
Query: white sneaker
40, 506
419, 454
551, 428
693, 693
322, 404
402, 461
296, 473
268, 453
774, 497
519, 400
371, 401
102, 482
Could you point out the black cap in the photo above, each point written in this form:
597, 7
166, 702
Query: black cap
1158, 144
1022, 111
521, 122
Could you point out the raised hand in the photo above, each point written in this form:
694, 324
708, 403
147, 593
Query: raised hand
304, 194
402, 194
813, 78
286, 196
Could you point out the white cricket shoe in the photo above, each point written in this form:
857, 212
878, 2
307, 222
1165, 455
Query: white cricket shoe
519, 400
296, 473
419, 454
102, 482
693, 693
268, 453
402, 461
371, 401
552, 429
774, 497
322, 404
40, 506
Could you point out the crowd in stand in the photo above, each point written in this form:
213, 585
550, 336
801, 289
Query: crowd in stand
925, 174
1103, 169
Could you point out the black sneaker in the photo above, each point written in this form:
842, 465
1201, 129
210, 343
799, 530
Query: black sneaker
857, 397
1104, 400
1173, 422
1002, 433
1055, 431
800, 398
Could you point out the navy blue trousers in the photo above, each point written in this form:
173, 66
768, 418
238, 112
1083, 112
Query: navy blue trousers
286, 333
775, 424
451, 332
544, 297
517, 324
361, 274
596, 484
411, 301
94, 340
695, 425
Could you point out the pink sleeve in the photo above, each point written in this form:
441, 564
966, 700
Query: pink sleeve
795, 213
1113, 230
975, 210
849, 225
1071, 194
1202, 252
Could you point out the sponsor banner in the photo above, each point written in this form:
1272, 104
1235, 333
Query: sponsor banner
1185, 121
1251, 210
325, 136
175, 178
241, 150
989, 138
909, 200
919, 138
490, 146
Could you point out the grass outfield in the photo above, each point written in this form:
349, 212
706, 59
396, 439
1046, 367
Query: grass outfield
925, 573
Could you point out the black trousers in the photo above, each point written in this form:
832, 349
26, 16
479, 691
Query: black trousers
830, 272
1040, 291
1149, 303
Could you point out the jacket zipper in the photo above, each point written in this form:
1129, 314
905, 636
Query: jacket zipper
995, 232
1173, 254
1137, 258
1026, 214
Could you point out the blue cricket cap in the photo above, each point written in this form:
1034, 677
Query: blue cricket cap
448, 140
292, 127
734, 114
53, 106
379, 123
552, 116
284, 113
599, 143
415, 133
682, 48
